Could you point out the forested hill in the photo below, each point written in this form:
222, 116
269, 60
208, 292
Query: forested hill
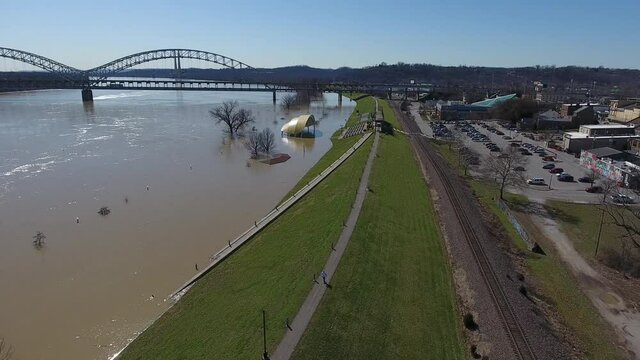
577, 77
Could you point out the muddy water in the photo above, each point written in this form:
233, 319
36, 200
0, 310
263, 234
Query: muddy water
96, 283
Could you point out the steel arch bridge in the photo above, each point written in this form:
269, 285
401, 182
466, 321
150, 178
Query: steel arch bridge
38, 61
129, 61
122, 63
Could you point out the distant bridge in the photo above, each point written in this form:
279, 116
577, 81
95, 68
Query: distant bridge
68, 77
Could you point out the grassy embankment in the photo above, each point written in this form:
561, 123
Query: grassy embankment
392, 295
220, 317
554, 280
339, 145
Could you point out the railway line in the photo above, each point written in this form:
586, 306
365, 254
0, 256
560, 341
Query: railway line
512, 326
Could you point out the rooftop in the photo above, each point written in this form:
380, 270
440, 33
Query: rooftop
495, 101
604, 152
606, 126
579, 135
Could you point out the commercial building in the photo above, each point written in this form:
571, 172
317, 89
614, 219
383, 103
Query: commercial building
622, 167
475, 111
624, 112
595, 136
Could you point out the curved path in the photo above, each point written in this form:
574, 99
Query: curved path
299, 324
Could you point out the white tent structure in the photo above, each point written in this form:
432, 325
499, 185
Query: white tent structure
299, 125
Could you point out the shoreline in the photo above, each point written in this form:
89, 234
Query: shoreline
287, 201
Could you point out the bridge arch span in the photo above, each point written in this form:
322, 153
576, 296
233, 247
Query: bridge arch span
153, 55
38, 61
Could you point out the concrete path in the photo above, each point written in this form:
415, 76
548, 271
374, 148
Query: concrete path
234, 244
301, 320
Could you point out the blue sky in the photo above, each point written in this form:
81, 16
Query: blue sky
327, 33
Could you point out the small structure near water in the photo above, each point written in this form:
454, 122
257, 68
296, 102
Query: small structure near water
299, 126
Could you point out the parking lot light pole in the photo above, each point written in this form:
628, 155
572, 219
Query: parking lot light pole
550, 178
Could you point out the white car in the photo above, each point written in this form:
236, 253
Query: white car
535, 181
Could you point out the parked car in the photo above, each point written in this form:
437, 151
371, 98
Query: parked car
621, 199
526, 153
584, 179
556, 170
519, 168
548, 158
549, 166
535, 181
539, 150
503, 156
515, 145
594, 189
507, 137
565, 177
494, 149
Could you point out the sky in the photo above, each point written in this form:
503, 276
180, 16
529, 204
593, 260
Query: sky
331, 34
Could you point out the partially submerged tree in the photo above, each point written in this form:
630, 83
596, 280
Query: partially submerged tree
263, 142
38, 240
6, 350
267, 140
288, 101
252, 143
501, 168
104, 211
234, 117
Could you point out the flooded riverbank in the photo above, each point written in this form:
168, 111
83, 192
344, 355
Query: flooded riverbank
177, 189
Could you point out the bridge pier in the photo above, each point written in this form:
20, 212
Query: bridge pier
274, 98
87, 95
339, 98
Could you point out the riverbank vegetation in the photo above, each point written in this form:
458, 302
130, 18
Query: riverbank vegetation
220, 317
392, 295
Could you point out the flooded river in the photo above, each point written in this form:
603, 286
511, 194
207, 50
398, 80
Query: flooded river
178, 189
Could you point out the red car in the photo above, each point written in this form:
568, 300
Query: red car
594, 189
557, 171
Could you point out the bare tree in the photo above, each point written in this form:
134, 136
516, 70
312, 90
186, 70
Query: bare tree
38, 240
288, 101
253, 144
234, 117
267, 141
6, 350
502, 168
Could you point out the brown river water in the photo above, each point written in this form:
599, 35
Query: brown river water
96, 283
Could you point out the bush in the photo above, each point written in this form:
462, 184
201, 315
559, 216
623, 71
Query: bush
469, 322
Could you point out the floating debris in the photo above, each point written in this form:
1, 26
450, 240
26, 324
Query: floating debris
104, 211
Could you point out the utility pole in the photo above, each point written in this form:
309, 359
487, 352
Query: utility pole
599, 233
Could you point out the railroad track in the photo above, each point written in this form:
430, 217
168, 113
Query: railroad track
510, 322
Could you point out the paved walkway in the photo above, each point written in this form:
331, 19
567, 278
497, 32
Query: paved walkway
234, 244
300, 322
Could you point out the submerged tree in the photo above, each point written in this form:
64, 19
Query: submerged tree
267, 140
288, 101
6, 350
38, 240
104, 211
252, 143
234, 117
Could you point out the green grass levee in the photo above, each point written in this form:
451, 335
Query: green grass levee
392, 295
220, 317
